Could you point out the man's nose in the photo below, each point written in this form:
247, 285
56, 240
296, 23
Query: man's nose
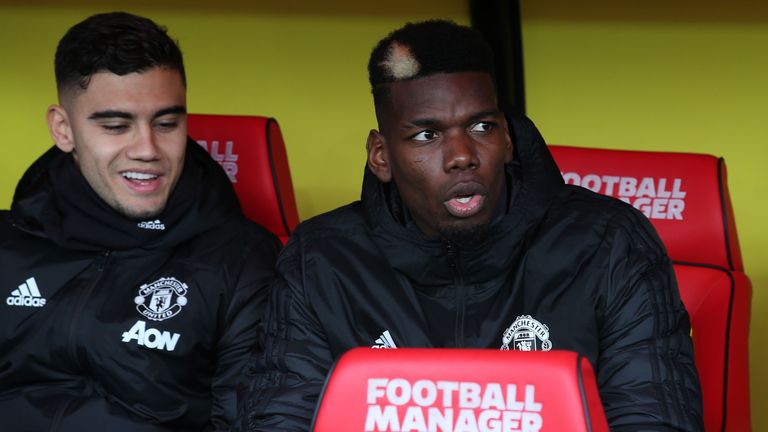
460, 152
144, 146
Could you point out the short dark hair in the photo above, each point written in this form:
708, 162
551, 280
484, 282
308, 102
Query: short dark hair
426, 48
117, 42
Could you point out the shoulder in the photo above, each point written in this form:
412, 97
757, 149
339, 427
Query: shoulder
255, 240
345, 219
610, 246
5, 223
607, 222
9, 232
610, 214
336, 225
232, 245
6, 228
325, 238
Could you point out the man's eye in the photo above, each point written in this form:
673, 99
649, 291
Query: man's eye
423, 136
167, 125
481, 127
115, 128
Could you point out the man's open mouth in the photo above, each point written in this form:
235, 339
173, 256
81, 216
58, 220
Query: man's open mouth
141, 181
465, 205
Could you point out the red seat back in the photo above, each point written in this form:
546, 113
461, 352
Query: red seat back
684, 195
252, 152
686, 198
718, 302
441, 389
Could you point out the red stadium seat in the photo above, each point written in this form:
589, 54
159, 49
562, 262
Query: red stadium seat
252, 152
442, 389
686, 198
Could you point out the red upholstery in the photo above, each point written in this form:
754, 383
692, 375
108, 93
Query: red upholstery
686, 198
712, 296
440, 389
252, 153
684, 195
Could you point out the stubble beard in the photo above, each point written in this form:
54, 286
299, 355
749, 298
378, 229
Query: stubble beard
466, 236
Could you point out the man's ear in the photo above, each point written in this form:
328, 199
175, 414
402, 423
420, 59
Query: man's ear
378, 159
60, 128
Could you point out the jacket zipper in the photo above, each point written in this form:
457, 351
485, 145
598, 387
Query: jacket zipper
458, 280
100, 263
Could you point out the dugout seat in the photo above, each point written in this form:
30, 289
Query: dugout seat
252, 152
685, 196
420, 389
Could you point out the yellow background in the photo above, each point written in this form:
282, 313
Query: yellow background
679, 75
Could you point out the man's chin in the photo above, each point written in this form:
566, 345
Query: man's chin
139, 214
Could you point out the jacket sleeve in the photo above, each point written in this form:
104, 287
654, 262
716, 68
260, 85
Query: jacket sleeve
285, 375
239, 325
646, 371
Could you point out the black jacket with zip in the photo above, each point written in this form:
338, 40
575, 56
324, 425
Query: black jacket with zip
147, 337
588, 267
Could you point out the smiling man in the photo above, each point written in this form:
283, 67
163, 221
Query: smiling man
466, 236
134, 284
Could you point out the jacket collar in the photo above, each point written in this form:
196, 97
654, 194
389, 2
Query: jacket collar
54, 201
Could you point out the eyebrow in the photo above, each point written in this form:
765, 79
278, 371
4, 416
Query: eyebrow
418, 123
484, 114
431, 122
110, 114
177, 109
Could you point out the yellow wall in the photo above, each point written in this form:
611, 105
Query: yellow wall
678, 75
302, 62
684, 75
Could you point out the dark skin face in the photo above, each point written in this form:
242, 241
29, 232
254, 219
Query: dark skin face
444, 143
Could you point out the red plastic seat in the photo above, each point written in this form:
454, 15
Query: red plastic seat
252, 152
442, 389
685, 196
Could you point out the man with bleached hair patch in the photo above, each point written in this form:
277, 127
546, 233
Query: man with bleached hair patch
465, 233
133, 284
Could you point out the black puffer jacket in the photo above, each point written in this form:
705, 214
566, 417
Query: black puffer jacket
110, 326
588, 267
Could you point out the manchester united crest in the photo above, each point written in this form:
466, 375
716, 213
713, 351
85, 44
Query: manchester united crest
526, 334
161, 299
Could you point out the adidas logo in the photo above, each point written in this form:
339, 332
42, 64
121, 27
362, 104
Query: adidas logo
385, 341
26, 295
152, 225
